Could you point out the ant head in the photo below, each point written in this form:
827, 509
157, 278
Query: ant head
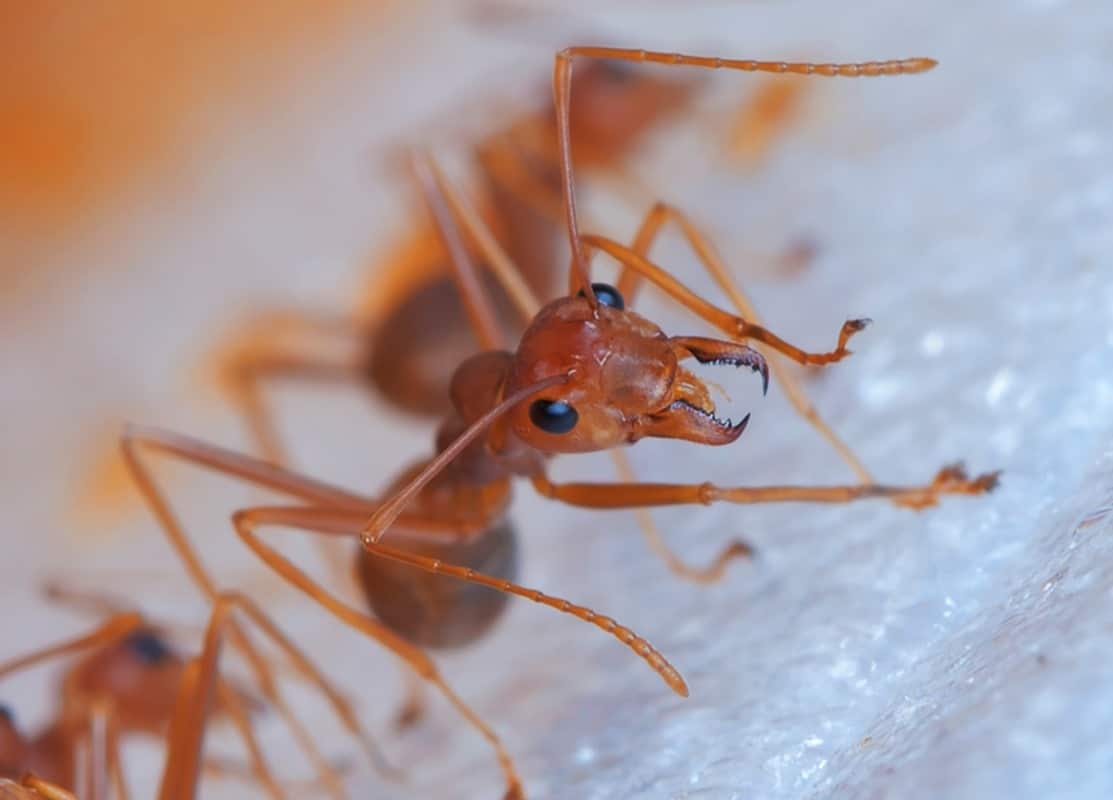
138, 674
614, 103
625, 379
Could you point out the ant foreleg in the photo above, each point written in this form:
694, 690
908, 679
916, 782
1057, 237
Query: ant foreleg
630, 280
734, 326
40, 788
949, 480
713, 263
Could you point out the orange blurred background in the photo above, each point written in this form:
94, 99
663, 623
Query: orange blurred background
99, 97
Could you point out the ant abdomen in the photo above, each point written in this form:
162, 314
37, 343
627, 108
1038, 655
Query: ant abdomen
414, 351
439, 611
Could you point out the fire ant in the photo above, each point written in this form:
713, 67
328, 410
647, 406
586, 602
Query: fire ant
589, 374
417, 329
132, 681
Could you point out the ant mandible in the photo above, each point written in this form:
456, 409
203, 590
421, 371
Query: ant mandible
589, 374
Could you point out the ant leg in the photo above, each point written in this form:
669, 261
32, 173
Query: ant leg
413, 706
200, 682
248, 368
481, 312
196, 691
230, 703
111, 631
85, 600
186, 758
949, 480
712, 262
318, 520
709, 574
230, 770
498, 261
115, 761
253, 358
256, 472
562, 98
760, 121
102, 762
94, 773
734, 326
248, 396
247, 519
43, 789
258, 352
342, 707
504, 162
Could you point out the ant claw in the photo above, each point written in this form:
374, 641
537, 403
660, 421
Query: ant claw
953, 479
737, 548
987, 481
849, 328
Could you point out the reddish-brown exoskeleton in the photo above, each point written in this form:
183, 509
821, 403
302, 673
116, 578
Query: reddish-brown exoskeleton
589, 374
129, 680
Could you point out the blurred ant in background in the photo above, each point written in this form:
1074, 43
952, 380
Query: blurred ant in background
126, 679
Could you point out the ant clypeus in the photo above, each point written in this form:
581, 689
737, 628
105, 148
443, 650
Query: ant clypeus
589, 374
130, 680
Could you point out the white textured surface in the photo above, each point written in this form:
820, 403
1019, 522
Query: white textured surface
870, 651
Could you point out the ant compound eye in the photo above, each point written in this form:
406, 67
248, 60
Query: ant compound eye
6, 714
148, 647
608, 295
553, 416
